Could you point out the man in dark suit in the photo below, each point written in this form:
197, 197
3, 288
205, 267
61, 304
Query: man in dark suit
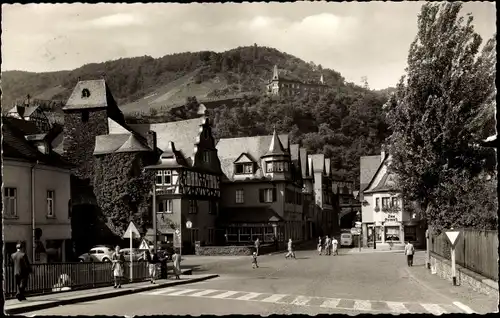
22, 269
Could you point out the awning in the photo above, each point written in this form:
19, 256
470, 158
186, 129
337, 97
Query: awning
249, 215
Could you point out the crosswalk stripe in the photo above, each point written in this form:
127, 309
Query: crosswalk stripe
330, 303
273, 298
434, 309
249, 296
301, 300
203, 293
162, 291
181, 292
225, 295
465, 308
362, 305
397, 307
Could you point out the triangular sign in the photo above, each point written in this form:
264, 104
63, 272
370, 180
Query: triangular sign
452, 236
131, 231
144, 245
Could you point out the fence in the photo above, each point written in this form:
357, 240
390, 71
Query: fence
47, 278
476, 250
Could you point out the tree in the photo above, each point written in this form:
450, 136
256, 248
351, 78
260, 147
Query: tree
438, 116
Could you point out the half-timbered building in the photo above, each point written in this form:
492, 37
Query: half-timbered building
31, 112
187, 185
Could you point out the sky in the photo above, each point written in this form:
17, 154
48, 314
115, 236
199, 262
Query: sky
356, 39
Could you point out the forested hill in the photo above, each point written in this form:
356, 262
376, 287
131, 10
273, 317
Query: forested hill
244, 69
344, 124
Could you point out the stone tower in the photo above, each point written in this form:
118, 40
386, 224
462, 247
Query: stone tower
275, 72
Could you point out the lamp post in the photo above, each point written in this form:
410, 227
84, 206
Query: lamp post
155, 243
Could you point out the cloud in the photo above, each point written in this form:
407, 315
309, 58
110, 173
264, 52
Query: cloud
116, 20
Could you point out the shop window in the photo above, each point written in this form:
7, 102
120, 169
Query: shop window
410, 233
240, 196
245, 234
392, 233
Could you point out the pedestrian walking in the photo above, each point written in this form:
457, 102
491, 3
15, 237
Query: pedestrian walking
409, 251
327, 245
290, 250
320, 246
152, 259
335, 245
118, 264
22, 269
257, 245
254, 260
176, 259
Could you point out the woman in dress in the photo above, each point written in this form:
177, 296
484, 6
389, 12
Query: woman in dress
176, 259
319, 245
118, 262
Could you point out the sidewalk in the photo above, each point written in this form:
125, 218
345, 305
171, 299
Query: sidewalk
13, 306
366, 250
478, 302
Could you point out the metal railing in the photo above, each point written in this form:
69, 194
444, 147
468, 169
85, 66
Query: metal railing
476, 250
55, 277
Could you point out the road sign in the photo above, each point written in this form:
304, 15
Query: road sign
177, 241
189, 224
131, 231
355, 231
144, 245
453, 237
358, 225
177, 232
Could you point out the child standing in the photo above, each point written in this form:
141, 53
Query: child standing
254, 260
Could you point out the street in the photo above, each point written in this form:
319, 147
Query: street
311, 284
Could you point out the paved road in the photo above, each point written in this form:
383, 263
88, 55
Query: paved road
311, 284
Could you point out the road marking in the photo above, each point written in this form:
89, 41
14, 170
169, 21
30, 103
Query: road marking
166, 290
249, 296
204, 292
181, 292
225, 295
397, 307
330, 303
434, 309
362, 305
273, 298
465, 308
301, 300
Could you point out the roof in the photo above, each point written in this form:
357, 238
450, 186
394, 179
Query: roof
303, 160
386, 183
184, 134
294, 152
368, 166
230, 149
327, 166
275, 147
106, 144
318, 161
28, 110
99, 95
16, 146
256, 214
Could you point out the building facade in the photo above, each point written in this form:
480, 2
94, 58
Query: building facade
384, 217
282, 85
350, 207
32, 112
36, 194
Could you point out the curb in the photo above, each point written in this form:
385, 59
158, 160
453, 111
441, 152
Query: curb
111, 294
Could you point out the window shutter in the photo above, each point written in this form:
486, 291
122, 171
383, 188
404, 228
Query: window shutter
274, 195
261, 195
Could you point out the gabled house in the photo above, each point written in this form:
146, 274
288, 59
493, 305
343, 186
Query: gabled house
187, 185
382, 206
262, 189
36, 193
30, 112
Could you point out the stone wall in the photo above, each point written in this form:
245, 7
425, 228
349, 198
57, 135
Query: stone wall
232, 250
465, 277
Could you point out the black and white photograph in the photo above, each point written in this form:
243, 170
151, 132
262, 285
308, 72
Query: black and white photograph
252, 158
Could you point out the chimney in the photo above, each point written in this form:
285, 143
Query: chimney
382, 152
151, 137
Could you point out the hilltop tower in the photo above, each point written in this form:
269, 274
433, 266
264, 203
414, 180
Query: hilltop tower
275, 73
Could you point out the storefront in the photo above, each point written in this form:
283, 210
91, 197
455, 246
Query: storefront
248, 233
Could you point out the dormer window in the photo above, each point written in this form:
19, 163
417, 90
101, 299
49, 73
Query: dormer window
85, 93
243, 168
206, 156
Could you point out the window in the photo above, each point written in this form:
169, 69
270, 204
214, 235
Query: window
211, 236
277, 166
207, 156
377, 202
164, 177
267, 195
85, 116
85, 93
240, 196
165, 206
50, 203
385, 202
193, 207
212, 207
10, 202
269, 166
244, 234
395, 202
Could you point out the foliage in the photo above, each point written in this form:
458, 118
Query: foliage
122, 190
439, 115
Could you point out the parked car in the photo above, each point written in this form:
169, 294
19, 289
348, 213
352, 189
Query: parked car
97, 254
346, 239
137, 255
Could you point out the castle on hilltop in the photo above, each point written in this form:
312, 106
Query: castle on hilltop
281, 85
